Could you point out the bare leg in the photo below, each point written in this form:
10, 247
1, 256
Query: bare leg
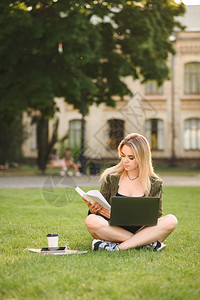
63, 164
59, 163
100, 228
73, 165
150, 234
76, 167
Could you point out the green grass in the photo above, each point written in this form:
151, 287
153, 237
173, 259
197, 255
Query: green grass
25, 169
26, 218
177, 171
161, 170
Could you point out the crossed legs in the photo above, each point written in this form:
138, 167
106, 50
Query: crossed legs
99, 228
71, 163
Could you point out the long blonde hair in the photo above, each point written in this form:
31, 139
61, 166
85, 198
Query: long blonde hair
141, 150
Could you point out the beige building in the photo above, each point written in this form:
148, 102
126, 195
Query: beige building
168, 116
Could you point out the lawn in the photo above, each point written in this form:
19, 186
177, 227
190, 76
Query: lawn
25, 169
28, 215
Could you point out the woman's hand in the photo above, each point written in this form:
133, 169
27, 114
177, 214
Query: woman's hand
94, 208
104, 212
97, 208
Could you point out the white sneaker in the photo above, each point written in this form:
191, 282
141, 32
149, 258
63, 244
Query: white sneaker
98, 245
69, 173
62, 173
156, 246
78, 174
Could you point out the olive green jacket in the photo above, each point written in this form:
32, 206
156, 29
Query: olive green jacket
109, 188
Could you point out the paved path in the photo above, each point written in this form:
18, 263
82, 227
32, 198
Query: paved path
40, 181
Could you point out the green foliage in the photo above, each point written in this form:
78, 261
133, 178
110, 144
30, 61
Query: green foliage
100, 43
144, 29
94, 55
37, 67
75, 152
27, 218
12, 135
61, 150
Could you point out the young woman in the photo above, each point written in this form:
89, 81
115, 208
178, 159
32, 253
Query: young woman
132, 176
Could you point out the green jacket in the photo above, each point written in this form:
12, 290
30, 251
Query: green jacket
109, 188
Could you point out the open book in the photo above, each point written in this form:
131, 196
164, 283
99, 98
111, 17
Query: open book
92, 196
65, 252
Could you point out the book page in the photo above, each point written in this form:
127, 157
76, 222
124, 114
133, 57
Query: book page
92, 196
80, 191
97, 194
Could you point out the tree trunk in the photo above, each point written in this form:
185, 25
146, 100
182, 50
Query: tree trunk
54, 138
82, 154
42, 142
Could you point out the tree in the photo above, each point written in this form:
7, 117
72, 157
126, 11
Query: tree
134, 41
32, 70
79, 50
12, 136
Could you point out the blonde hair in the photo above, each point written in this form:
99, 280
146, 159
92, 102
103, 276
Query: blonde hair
141, 151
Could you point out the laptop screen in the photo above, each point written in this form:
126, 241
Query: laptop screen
134, 211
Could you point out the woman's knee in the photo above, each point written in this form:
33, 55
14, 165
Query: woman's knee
170, 222
92, 221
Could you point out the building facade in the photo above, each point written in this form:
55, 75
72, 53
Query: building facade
169, 116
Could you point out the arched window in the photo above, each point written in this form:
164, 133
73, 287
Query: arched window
152, 88
154, 132
192, 134
75, 133
192, 78
115, 132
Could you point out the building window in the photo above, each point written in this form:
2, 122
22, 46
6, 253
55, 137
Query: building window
115, 132
154, 132
192, 78
192, 134
75, 133
151, 88
33, 136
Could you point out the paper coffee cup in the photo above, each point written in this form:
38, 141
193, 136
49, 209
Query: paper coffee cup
52, 240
